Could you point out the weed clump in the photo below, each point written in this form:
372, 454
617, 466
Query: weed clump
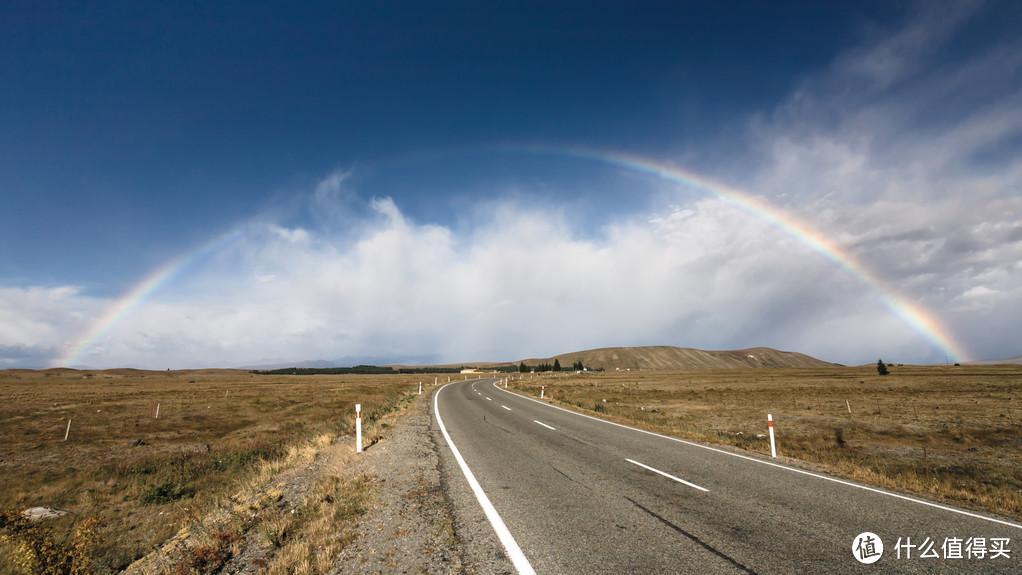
38, 549
166, 492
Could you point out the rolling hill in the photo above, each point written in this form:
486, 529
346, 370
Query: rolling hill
669, 357
609, 358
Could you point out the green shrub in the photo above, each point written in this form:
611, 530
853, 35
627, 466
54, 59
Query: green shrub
165, 493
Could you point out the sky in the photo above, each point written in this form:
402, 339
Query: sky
238, 185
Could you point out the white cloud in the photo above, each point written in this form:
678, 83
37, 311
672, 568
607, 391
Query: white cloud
290, 235
913, 161
518, 283
891, 152
34, 321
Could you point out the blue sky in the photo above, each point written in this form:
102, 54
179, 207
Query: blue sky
133, 133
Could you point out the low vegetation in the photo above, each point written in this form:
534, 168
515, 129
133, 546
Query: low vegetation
952, 434
130, 481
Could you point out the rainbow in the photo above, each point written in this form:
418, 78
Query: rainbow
138, 293
912, 314
921, 320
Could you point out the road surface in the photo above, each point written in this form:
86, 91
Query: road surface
567, 493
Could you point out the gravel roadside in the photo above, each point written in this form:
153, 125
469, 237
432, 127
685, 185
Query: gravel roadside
424, 518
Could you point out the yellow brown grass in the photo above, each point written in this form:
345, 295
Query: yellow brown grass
948, 433
218, 431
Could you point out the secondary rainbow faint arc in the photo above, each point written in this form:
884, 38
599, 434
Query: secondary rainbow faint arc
138, 293
914, 315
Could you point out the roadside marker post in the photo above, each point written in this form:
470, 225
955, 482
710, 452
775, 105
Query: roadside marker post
434, 380
358, 428
542, 390
848, 405
157, 410
770, 429
68, 431
420, 388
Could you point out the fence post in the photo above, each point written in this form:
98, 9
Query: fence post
770, 429
358, 428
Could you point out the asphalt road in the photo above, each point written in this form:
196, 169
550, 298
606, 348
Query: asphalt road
573, 494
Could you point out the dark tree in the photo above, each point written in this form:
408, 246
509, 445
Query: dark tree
522, 368
881, 367
557, 365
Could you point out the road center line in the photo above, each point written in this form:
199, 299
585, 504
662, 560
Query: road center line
550, 427
667, 475
506, 407
772, 464
514, 552
488, 399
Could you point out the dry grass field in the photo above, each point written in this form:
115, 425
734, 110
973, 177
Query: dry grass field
952, 434
130, 480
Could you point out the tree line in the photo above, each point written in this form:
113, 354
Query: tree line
555, 366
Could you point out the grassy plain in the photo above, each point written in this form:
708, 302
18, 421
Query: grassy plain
139, 478
951, 434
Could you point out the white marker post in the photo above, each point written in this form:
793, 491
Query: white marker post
68, 431
435, 380
157, 410
358, 428
848, 405
770, 429
542, 389
420, 388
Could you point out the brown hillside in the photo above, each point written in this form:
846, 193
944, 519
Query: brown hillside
669, 357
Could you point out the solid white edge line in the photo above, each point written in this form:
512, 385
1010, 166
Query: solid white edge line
667, 475
550, 427
514, 552
506, 407
777, 465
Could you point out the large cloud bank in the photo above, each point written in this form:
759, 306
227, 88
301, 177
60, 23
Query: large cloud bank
907, 159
